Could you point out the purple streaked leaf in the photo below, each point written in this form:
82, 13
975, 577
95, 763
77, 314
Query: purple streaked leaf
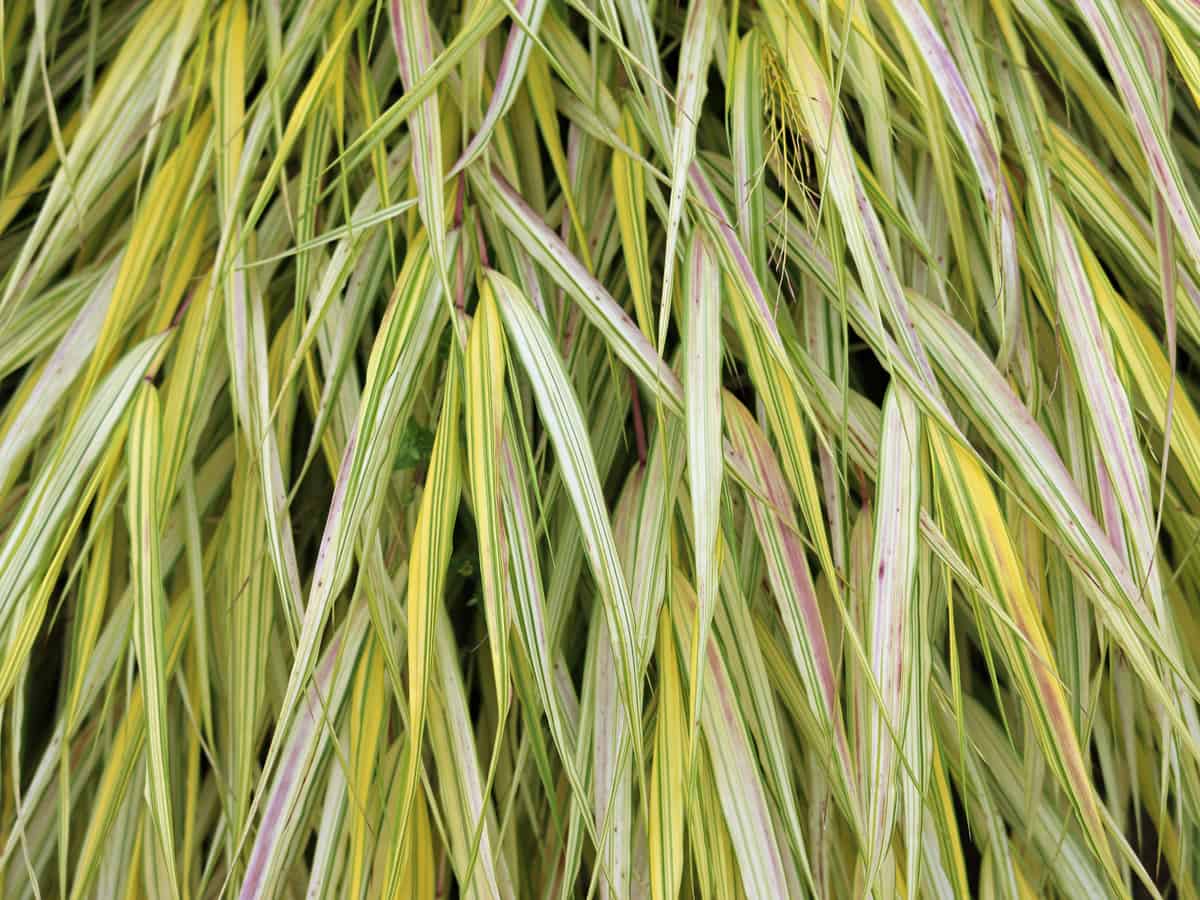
306, 745
792, 585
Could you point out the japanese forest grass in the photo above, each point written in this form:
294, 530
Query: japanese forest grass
622, 449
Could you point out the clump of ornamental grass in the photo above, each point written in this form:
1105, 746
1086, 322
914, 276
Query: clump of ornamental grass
622, 449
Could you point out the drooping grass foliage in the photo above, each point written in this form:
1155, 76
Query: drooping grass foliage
603, 448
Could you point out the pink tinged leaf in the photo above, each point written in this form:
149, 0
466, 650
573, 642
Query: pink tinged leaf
307, 739
743, 799
1151, 42
892, 574
1107, 402
736, 771
1111, 415
984, 157
717, 221
791, 582
1127, 67
612, 783
508, 77
1110, 510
